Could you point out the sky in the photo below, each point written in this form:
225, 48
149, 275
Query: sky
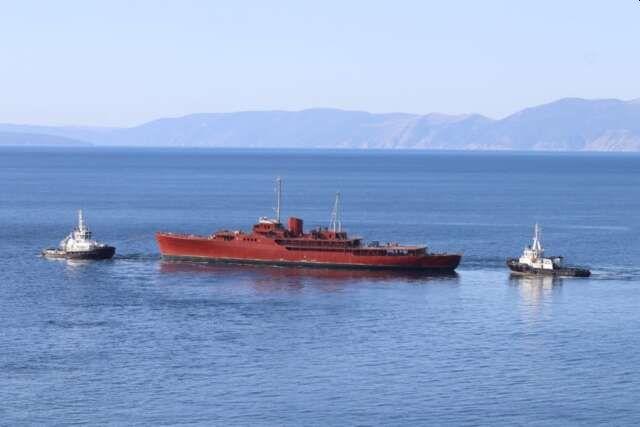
124, 62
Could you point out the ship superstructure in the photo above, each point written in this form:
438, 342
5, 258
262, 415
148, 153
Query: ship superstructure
271, 242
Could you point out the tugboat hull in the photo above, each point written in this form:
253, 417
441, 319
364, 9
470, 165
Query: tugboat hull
520, 268
106, 252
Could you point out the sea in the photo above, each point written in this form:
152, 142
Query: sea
138, 340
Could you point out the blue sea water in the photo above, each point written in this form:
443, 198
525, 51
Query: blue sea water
140, 341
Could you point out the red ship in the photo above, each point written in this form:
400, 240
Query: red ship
271, 243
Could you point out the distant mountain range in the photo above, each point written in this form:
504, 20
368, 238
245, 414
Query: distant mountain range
38, 139
570, 124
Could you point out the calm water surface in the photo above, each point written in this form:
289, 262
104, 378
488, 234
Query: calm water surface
139, 341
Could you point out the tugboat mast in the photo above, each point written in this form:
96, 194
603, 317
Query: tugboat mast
81, 225
336, 215
537, 244
83, 232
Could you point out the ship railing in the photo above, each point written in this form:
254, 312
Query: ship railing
168, 233
317, 249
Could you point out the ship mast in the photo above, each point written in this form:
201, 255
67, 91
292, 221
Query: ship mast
537, 244
336, 215
82, 232
81, 226
278, 198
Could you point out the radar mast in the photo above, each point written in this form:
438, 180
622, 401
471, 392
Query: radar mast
278, 198
336, 215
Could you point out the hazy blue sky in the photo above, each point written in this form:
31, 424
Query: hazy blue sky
124, 62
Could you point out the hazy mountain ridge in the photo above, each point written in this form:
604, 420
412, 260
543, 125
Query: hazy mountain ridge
80, 133
39, 139
569, 124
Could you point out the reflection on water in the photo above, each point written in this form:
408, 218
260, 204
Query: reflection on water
74, 267
291, 278
78, 263
535, 292
75, 263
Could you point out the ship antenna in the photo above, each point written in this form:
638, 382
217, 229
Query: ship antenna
278, 198
336, 215
80, 220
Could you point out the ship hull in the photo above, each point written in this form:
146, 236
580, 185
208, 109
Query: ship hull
195, 248
519, 268
106, 252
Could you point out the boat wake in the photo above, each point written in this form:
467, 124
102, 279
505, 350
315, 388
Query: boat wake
138, 257
608, 272
616, 273
482, 263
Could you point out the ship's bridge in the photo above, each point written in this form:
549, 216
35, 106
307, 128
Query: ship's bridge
267, 225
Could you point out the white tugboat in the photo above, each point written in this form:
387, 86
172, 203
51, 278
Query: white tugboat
533, 261
79, 245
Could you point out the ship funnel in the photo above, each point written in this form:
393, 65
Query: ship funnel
295, 226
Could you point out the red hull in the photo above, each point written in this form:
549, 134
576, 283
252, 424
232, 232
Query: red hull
262, 249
